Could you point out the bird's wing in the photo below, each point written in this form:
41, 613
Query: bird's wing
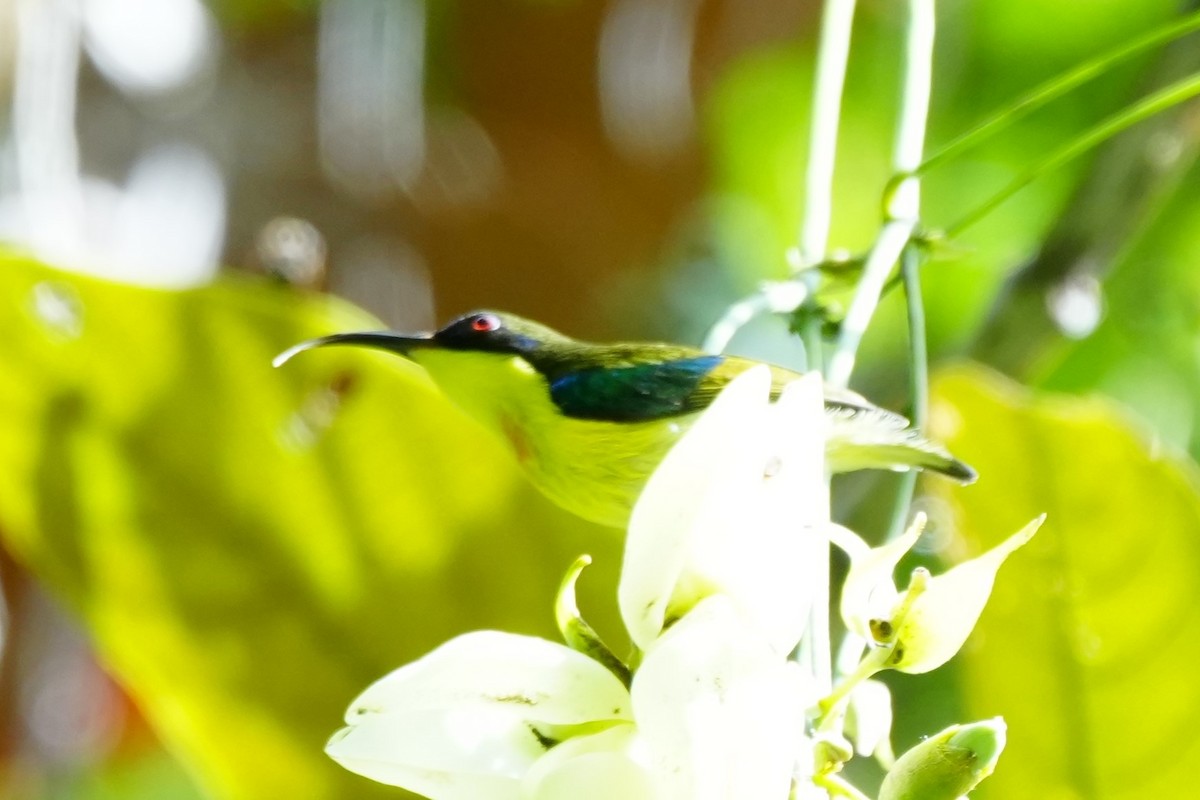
732, 366
635, 392
634, 383
861, 434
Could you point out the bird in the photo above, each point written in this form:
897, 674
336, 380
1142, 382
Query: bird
588, 423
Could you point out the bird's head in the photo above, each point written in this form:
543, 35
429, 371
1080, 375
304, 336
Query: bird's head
482, 360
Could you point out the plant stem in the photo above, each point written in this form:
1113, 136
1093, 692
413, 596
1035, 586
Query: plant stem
918, 378
903, 200
888, 246
833, 51
777, 297
832, 54
902, 208
735, 317
836, 785
814, 344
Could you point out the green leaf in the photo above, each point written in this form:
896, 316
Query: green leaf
250, 547
1089, 645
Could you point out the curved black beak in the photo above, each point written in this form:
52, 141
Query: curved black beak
380, 340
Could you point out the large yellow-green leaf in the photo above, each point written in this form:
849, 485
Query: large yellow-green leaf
1090, 643
250, 547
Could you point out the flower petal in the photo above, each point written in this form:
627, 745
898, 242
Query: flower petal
767, 564
471, 717
763, 557
869, 591
799, 430
736, 508
944, 614
869, 720
721, 713
443, 755
541, 681
599, 766
694, 489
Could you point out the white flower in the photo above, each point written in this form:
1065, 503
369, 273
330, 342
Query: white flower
869, 721
598, 766
925, 625
734, 509
470, 719
711, 595
493, 715
721, 709
869, 593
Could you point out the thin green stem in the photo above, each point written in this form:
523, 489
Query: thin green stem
774, 297
1058, 86
891, 242
839, 787
832, 706
734, 319
902, 206
833, 52
918, 355
814, 344
903, 201
918, 84
814, 653
837, 20
918, 378
1171, 95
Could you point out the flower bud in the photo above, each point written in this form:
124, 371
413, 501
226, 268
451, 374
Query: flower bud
947, 765
869, 721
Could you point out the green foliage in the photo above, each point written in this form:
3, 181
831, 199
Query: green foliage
249, 547
1144, 352
1089, 643
757, 117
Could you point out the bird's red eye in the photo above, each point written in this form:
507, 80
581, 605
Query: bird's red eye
484, 323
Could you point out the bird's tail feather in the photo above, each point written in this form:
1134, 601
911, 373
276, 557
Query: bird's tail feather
877, 439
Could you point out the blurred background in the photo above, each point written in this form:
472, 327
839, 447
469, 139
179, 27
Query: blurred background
198, 174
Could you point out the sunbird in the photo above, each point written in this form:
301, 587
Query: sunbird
588, 422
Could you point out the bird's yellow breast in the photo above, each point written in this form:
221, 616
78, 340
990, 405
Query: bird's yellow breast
592, 468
